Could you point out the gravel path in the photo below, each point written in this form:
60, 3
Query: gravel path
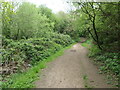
72, 70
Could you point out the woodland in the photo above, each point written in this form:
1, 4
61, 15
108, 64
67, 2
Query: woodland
30, 35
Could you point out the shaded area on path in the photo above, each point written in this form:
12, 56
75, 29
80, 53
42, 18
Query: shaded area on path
69, 70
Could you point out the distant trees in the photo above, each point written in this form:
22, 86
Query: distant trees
26, 20
99, 20
62, 21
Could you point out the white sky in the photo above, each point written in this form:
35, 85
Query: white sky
60, 5
55, 5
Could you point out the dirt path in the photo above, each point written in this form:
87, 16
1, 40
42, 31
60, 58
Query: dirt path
72, 70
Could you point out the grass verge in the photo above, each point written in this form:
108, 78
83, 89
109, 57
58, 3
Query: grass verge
86, 44
26, 79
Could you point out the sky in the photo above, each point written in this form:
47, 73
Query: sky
60, 5
55, 5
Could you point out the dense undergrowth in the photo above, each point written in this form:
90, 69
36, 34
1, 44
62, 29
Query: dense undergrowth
30, 35
108, 62
26, 79
33, 48
18, 56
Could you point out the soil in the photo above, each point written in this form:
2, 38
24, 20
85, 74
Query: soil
73, 69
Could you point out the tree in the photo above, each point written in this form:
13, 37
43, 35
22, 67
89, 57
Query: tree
7, 18
26, 20
101, 21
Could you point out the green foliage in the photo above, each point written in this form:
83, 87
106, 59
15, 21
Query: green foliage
26, 79
29, 37
7, 13
27, 21
45, 11
86, 44
30, 33
33, 49
109, 61
62, 21
102, 21
94, 51
79, 24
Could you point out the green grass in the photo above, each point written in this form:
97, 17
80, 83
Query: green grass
26, 79
86, 44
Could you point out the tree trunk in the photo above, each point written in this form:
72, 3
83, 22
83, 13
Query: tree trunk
97, 38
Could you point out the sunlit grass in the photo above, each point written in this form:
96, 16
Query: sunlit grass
86, 44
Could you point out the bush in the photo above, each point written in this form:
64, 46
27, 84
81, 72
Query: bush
94, 51
109, 61
32, 50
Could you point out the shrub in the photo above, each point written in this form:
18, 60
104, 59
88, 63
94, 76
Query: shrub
32, 50
109, 61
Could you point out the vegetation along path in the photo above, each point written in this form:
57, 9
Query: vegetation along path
72, 70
